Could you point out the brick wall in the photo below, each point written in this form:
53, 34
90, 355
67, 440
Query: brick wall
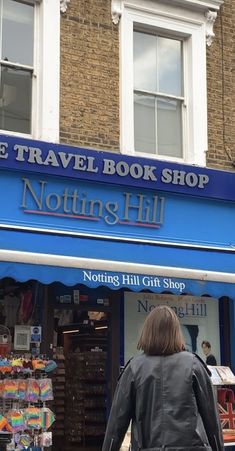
89, 107
221, 90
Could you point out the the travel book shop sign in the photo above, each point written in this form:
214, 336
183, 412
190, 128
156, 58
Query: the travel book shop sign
56, 159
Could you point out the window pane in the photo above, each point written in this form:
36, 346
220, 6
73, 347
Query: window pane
17, 32
169, 60
145, 60
15, 100
169, 126
144, 117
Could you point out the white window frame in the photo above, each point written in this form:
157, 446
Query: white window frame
46, 73
178, 21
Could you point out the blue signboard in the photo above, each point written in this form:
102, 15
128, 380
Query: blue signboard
72, 162
115, 280
49, 203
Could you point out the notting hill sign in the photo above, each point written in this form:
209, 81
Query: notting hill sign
27, 155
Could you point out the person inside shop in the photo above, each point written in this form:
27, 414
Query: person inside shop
166, 393
210, 358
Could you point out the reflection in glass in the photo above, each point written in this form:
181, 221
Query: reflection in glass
157, 64
17, 32
158, 83
169, 126
163, 115
145, 62
169, 66
144, 121
15, 100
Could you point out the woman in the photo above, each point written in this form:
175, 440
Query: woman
167, 394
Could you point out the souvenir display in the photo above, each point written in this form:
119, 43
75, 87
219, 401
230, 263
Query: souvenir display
16, 420
46, 392
32, 391
25, 387
222, 378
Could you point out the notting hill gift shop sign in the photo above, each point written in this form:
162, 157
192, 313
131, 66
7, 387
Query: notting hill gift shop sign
72, 162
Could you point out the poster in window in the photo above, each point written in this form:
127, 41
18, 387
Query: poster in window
199, 318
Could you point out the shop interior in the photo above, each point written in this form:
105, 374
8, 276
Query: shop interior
75, 328
80, 329
81, 337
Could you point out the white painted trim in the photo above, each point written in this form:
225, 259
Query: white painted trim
116, 266
48, 72
175, 244
196, 6
116, 10
197, 99
126, 86
64, 5
210, 20
191, 27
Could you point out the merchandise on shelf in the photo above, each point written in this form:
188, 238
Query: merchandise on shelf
25, 388
86, 390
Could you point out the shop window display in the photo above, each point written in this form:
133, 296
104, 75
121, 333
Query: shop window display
198, 316
19, 307
26, 389
57, 402
200, 323
81, 346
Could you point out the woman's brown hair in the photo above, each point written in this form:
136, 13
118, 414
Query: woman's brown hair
161, 333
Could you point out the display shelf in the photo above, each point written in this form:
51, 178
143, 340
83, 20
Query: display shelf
5, 439
85, 306
221, 375
86, 395
58, 404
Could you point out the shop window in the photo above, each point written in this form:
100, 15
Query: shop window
24, 78
163, 81
19, 310
198, 316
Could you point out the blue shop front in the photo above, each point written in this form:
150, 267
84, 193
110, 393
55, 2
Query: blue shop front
91, 242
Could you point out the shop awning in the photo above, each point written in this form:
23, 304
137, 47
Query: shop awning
116, 264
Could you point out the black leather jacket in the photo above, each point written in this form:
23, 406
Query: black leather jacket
170, 401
